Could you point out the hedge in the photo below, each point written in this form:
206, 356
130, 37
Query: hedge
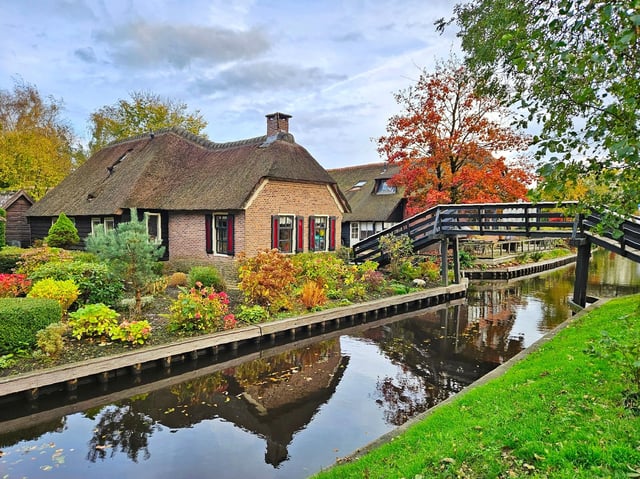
22, 318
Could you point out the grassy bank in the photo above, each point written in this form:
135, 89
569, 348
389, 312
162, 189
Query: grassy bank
568, 410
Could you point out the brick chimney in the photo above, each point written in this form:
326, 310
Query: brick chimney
277, 122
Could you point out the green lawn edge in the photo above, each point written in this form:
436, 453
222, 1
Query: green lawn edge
559, 413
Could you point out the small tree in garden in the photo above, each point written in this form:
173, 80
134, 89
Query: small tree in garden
62, 233
130, 254
397, 248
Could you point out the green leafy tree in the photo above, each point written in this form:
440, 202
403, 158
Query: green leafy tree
143, 113
574, 67
63, 233
37, 148
130, 253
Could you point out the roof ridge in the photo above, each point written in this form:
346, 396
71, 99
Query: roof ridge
353, 167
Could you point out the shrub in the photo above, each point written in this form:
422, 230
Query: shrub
252, 314
93, 320
207, 276
373, 281
312, 295
178, 279
397, 249
35, 257
22, 318
96, 283
325, 269
63, 233
13, 285
64, 291
9, 257
201, 309
134, 332
50, 340
157, 286
267, 279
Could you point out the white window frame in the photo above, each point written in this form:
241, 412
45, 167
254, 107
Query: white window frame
325, 218
293, 233
158, 218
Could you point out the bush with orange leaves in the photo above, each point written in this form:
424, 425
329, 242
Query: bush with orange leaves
312, 295
267, 280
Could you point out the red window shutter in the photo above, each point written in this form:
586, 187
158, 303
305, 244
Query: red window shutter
312, 232
230, 232
332, 233
299, 234
208, 232
275, 225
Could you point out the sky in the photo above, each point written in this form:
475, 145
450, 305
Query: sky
332, 65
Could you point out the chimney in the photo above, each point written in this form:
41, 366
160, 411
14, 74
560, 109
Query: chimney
277, 122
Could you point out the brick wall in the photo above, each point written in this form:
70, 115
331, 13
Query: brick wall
285, 198
253, 227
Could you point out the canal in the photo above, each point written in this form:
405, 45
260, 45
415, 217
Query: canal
292, 409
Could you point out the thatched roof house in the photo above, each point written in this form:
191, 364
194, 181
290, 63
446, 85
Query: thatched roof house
200, 198
375, 205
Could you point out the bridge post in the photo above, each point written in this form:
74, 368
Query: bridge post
582, 271
444, 266
456, 260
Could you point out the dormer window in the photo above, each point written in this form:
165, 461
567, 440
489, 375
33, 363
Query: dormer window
384, 188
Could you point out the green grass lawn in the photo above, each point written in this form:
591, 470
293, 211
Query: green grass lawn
567, 410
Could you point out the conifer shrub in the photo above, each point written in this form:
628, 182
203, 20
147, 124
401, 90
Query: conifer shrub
96, 282
63, 233
207, 276
22, 318
65, 292
178, 279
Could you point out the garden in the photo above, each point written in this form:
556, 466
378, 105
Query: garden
61, 305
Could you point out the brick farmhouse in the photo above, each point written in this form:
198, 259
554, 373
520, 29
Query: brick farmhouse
204, 200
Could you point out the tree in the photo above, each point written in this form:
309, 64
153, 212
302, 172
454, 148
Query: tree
63, 233
36, 146
575, 68
130, 253
144, 113
445, 142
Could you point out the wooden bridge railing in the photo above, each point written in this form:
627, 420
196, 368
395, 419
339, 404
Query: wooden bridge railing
539, 220
532, 220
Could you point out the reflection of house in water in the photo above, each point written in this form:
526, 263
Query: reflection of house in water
272, 397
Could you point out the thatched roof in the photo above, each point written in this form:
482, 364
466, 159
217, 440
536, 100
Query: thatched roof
365, 204
176, 170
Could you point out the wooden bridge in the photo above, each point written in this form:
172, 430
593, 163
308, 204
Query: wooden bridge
444, 224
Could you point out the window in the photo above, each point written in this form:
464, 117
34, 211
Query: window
102, 225
366, 229
285, 234
154, 226
219, 233
383, 188
355, 231
318, 229
358, 185
109, 224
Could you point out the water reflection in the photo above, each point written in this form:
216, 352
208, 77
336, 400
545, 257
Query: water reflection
287, 413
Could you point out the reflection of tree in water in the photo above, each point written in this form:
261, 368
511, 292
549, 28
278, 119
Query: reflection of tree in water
121, 428
402, 397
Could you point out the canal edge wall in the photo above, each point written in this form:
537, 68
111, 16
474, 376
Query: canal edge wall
519, 271
101, 369
494, 373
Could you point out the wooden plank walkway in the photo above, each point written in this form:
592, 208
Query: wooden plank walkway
100, 369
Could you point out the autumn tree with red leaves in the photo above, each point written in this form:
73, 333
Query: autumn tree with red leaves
445, 141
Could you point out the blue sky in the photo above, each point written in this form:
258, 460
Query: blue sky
332, 65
